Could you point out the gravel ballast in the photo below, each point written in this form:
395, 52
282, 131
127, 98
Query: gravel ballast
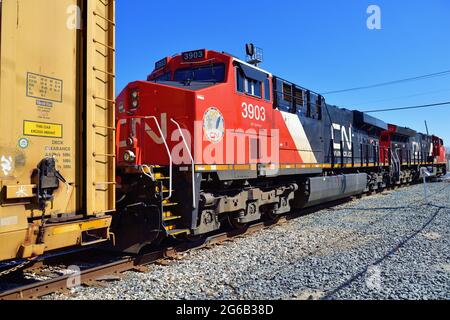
387, 246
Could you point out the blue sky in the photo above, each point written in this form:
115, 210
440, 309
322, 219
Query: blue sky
323, 45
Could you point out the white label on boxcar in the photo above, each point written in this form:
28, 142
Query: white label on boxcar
9, 221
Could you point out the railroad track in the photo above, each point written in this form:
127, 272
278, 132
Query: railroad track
128, 263
91, 275
120, 264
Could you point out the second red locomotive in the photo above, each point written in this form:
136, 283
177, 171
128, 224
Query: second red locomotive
210, 140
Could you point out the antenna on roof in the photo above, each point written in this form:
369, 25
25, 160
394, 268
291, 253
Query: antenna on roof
254, 54
426, 126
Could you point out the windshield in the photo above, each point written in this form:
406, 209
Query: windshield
210, 73
164, 77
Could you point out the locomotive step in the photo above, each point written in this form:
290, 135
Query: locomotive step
176, 232
166, 203
171, 218
165, 190
160, 176
167, 214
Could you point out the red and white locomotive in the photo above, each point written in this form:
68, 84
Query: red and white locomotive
209, 139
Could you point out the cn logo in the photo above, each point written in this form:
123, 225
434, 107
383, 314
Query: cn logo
346, 138
136, 126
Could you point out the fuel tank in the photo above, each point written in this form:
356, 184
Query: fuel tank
320, 190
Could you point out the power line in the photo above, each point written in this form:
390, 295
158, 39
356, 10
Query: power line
400, 97
427, 76
412, 107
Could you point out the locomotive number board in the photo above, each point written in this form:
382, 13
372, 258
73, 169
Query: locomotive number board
194, 55
161, 64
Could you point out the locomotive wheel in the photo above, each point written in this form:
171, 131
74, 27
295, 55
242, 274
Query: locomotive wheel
235, 224
191, 238
272, 217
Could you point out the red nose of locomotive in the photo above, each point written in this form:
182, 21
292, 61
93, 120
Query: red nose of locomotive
157, 117
148, 114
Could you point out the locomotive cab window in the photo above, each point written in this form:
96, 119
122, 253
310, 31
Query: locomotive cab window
248, 86
250, 81
164, 77
208, 73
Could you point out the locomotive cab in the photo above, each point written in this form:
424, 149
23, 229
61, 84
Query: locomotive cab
181, 126
192, 97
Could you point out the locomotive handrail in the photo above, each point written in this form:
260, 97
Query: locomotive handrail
194, 202
163, 139
168, 153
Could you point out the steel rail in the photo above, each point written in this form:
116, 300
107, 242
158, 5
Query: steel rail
61, 284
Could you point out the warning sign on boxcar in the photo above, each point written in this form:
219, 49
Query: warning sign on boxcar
41, 129
44, 88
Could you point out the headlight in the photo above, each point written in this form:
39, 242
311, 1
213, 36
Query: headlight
129, 156
135, 99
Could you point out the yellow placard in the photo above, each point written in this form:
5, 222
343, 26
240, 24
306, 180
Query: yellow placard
41, 129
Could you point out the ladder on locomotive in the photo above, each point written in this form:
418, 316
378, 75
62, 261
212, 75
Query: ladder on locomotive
170, 210
171, 216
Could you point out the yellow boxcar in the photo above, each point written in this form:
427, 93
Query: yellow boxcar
57, 136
